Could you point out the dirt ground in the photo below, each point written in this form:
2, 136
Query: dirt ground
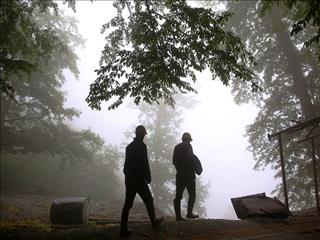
26, 216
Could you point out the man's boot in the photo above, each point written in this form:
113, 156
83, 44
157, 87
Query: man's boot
124, 232
177, 209
154, 220
191, 202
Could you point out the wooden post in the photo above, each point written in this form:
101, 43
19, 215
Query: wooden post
284, 181
315, 174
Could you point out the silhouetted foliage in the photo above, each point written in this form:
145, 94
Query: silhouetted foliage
154, 52
289, 76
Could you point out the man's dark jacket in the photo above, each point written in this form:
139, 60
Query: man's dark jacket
183, 160
136, 164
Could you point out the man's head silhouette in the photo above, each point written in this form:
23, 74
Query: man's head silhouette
186, 137
141, 131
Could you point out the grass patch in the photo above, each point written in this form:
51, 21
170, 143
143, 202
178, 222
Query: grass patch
24, 225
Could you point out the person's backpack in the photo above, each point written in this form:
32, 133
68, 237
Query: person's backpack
197, 165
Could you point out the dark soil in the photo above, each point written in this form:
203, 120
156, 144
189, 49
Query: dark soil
26, 216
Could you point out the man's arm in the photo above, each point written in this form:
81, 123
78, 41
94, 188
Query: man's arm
126, 162
147, 167
175, 159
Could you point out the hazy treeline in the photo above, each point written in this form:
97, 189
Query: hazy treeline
284, 37
40, 150
290, 76
43, 174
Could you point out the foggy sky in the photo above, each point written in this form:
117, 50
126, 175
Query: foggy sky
217, 124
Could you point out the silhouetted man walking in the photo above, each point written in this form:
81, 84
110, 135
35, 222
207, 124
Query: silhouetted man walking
137, 178
185, 177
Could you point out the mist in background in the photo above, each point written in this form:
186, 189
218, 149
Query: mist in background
53, 144
216, 123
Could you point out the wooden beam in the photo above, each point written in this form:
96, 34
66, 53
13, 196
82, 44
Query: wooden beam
284, 180
315, 174
297, 127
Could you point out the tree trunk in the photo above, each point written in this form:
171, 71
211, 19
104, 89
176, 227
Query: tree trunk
300, 85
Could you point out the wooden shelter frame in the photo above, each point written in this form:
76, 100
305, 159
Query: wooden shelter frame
314, 124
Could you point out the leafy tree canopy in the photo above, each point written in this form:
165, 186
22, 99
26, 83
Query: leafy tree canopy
37, 120
153, 50
23, 41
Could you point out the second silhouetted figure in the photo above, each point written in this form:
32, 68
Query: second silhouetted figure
183, 160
